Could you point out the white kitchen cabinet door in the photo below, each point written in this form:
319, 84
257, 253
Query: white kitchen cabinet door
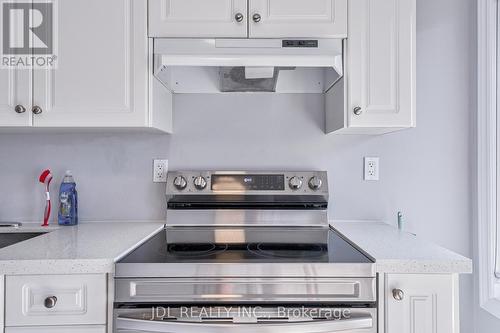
298, 18
429, 303
381, 65
15, 91
101, 79
39, 300
198, 18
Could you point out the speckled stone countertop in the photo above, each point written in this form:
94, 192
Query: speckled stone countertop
94, 247
91, 247
396, 251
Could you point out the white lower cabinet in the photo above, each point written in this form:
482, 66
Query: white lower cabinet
53, 300
417, 303
408, 303
57, 329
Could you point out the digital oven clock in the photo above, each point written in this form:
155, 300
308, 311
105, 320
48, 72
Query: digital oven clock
260, 182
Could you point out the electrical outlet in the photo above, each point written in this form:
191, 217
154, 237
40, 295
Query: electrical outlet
372, 168
160, 169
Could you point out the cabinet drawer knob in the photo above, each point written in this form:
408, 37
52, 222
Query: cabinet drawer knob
357, 110
50, 302
256, 18
36, 109
239, 17
20, 109
398, 294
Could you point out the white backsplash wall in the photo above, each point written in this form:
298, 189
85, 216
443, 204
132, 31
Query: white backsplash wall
424, 172
113, 173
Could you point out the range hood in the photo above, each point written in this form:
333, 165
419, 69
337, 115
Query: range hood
248, 65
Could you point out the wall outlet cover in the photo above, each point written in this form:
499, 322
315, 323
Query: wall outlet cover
160, 170
372, 166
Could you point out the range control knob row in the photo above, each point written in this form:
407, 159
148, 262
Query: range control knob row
180, 182
200, 183
315, 183
295, 183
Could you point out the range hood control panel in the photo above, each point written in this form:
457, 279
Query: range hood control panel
299, 43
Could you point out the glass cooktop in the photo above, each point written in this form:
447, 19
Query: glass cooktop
246, 245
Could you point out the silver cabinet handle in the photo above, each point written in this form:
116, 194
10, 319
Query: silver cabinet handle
256, 17
398, 294
357, 110
20, 108
36, 109
239, 17
50, 302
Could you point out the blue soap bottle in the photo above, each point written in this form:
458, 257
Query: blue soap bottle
68, 201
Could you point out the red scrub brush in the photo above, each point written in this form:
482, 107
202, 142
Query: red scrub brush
45, 179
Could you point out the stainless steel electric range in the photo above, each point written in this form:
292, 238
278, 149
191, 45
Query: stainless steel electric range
246, 252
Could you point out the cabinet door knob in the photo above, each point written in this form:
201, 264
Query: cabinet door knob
398, 294
36, 109
239, 17
256, 17
50, 302
357, 110
20, 108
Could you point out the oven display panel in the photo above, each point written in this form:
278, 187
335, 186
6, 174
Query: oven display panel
248, 182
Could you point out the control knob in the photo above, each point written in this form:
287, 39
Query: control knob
200, 183
315, 183
180, 182
295, 183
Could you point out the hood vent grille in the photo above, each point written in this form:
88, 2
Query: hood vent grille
229, 65
243, 79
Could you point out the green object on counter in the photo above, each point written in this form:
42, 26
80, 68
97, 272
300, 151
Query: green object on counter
400, 221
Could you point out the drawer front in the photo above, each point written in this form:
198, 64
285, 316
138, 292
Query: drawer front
57, 329
55, 300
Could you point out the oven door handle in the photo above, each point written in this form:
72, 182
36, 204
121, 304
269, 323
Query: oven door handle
320, 326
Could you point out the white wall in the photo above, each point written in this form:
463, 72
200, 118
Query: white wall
425, 172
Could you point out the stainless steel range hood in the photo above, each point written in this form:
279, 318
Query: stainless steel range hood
248, 65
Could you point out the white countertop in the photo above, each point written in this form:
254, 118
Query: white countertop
91, 247
396, 251
94, 247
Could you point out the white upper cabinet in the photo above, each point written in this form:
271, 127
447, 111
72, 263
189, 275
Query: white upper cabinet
381, 65
15, 97
101, 79
15, 91
263, 18
297, 18
198, 18
421, 303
